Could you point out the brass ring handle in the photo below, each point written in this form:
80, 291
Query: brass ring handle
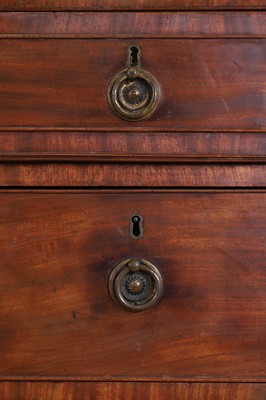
133, 94
135, 285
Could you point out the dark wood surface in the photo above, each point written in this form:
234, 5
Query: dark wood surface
129, 391
206, 84
133, 24
130, 5
57, 319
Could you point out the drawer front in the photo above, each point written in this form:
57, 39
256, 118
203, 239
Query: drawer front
55, 69
129, 391
57, 317
212, 85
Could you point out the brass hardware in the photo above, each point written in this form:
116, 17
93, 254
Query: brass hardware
136, 228
135, 285
133, 94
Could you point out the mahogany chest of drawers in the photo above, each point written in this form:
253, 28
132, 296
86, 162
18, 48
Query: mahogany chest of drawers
132, 200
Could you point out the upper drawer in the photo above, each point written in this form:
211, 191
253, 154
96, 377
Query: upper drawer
54, 76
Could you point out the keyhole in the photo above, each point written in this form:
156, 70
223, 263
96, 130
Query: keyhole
136, 229
134, 56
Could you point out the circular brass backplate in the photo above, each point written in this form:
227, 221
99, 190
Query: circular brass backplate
135, 285
133, 94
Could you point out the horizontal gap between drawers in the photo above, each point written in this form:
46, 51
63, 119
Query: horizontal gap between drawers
108, 129
133, 379
110, 158
115, 189
252, 9
148, 36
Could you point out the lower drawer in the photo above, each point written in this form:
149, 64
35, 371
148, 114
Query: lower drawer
59, 322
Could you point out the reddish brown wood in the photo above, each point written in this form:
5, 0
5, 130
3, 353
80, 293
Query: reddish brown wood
132, 146
135, 174
129, 24
61, 336
206, 84
129, 391
57, 319
129, 5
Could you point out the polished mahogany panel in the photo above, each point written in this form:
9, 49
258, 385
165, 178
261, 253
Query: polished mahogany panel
206, 84
57, 318
130, 391
106, 24
132, 146
130, 173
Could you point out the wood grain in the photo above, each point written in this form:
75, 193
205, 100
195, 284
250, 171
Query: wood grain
61, 336
148, 174
129, 391
57, 319
132, 146
133, 24
129, 5
209, 85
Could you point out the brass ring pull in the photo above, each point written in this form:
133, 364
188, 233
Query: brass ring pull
133, 94
135, 285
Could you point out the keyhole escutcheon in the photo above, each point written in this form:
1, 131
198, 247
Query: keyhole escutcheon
136, 226
134, 53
